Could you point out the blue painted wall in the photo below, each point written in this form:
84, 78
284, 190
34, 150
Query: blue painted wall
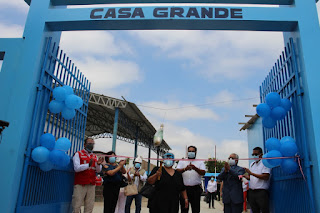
255, 137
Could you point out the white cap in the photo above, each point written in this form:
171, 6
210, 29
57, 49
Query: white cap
138, 160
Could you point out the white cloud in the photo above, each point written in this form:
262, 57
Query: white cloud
9, 31
223, 99
16, 4
94, 43
218, 54
108, 73
181, 112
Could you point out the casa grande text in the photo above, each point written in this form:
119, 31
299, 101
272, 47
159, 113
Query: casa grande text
166, 12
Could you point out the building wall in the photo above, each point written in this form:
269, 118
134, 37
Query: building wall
255, 137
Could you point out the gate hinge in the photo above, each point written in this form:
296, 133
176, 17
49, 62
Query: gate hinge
27, 153
39, 87
301, 92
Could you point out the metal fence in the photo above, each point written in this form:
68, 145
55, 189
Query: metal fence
52, 191
288, 193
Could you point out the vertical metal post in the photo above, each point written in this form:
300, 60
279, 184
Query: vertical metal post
215, 161
149, 156
115, 129
136, 143
158, 149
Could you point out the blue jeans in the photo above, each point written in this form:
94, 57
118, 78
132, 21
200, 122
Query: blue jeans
138, 199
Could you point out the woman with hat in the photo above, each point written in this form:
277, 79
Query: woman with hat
168, 186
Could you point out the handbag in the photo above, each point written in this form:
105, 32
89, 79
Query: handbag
147, 190
130, 189
124, 182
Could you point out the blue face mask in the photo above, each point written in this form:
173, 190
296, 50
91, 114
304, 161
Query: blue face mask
212, 178
137, 165
112, 159
191, 155
168, 163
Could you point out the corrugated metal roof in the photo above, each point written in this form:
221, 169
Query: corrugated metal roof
100, 121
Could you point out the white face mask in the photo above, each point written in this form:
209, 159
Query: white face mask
232, 162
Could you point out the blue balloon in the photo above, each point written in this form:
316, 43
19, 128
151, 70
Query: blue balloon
59, 93
71, 101
66, 160
47, 140
274, 154
263, 110
289, 166
286, 104
273, 99
68, 113
288, 149
278, 113
273, 144
56, 106
63, 144
269, 122
69, 90
46, 166
40, 154
265, 161
79, 102
287, 139
56, 157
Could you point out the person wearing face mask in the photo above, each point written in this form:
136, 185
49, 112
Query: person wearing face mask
168, 186
112, 181
259, 175
232, 192
211, 191
139, 176
191, 173
85, 165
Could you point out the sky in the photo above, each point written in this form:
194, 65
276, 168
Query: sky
212, 77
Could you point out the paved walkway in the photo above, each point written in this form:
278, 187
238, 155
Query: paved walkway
98, 208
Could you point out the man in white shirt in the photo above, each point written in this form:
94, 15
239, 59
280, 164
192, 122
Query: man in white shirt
211, 191
191, 173
85, 165
259, 175
139, 176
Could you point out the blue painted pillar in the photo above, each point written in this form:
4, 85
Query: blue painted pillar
136, 143
115, 129
306, 39
18, 85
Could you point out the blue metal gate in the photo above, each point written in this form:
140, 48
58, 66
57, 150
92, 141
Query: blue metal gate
289, 193
52, 191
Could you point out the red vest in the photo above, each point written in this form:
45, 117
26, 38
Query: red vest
87, 176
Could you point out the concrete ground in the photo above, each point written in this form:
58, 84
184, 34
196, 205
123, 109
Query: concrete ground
98, 208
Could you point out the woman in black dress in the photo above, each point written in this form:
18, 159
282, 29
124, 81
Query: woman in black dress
111, 181
167, 189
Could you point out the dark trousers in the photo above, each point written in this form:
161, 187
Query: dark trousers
211, 196
137, 199
110, 195
233, 208
259, 200
194, 195
217, 196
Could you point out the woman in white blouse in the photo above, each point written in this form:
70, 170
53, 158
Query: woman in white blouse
211, 190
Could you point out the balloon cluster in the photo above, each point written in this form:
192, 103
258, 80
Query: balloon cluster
51, 153
65, 101
286, 147
274, 109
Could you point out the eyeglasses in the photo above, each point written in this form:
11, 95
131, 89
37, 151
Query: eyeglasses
255, 154
231, 158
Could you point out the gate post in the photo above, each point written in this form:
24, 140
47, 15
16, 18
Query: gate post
19, 79
307, 44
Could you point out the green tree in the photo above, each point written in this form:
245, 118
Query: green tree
210, 165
